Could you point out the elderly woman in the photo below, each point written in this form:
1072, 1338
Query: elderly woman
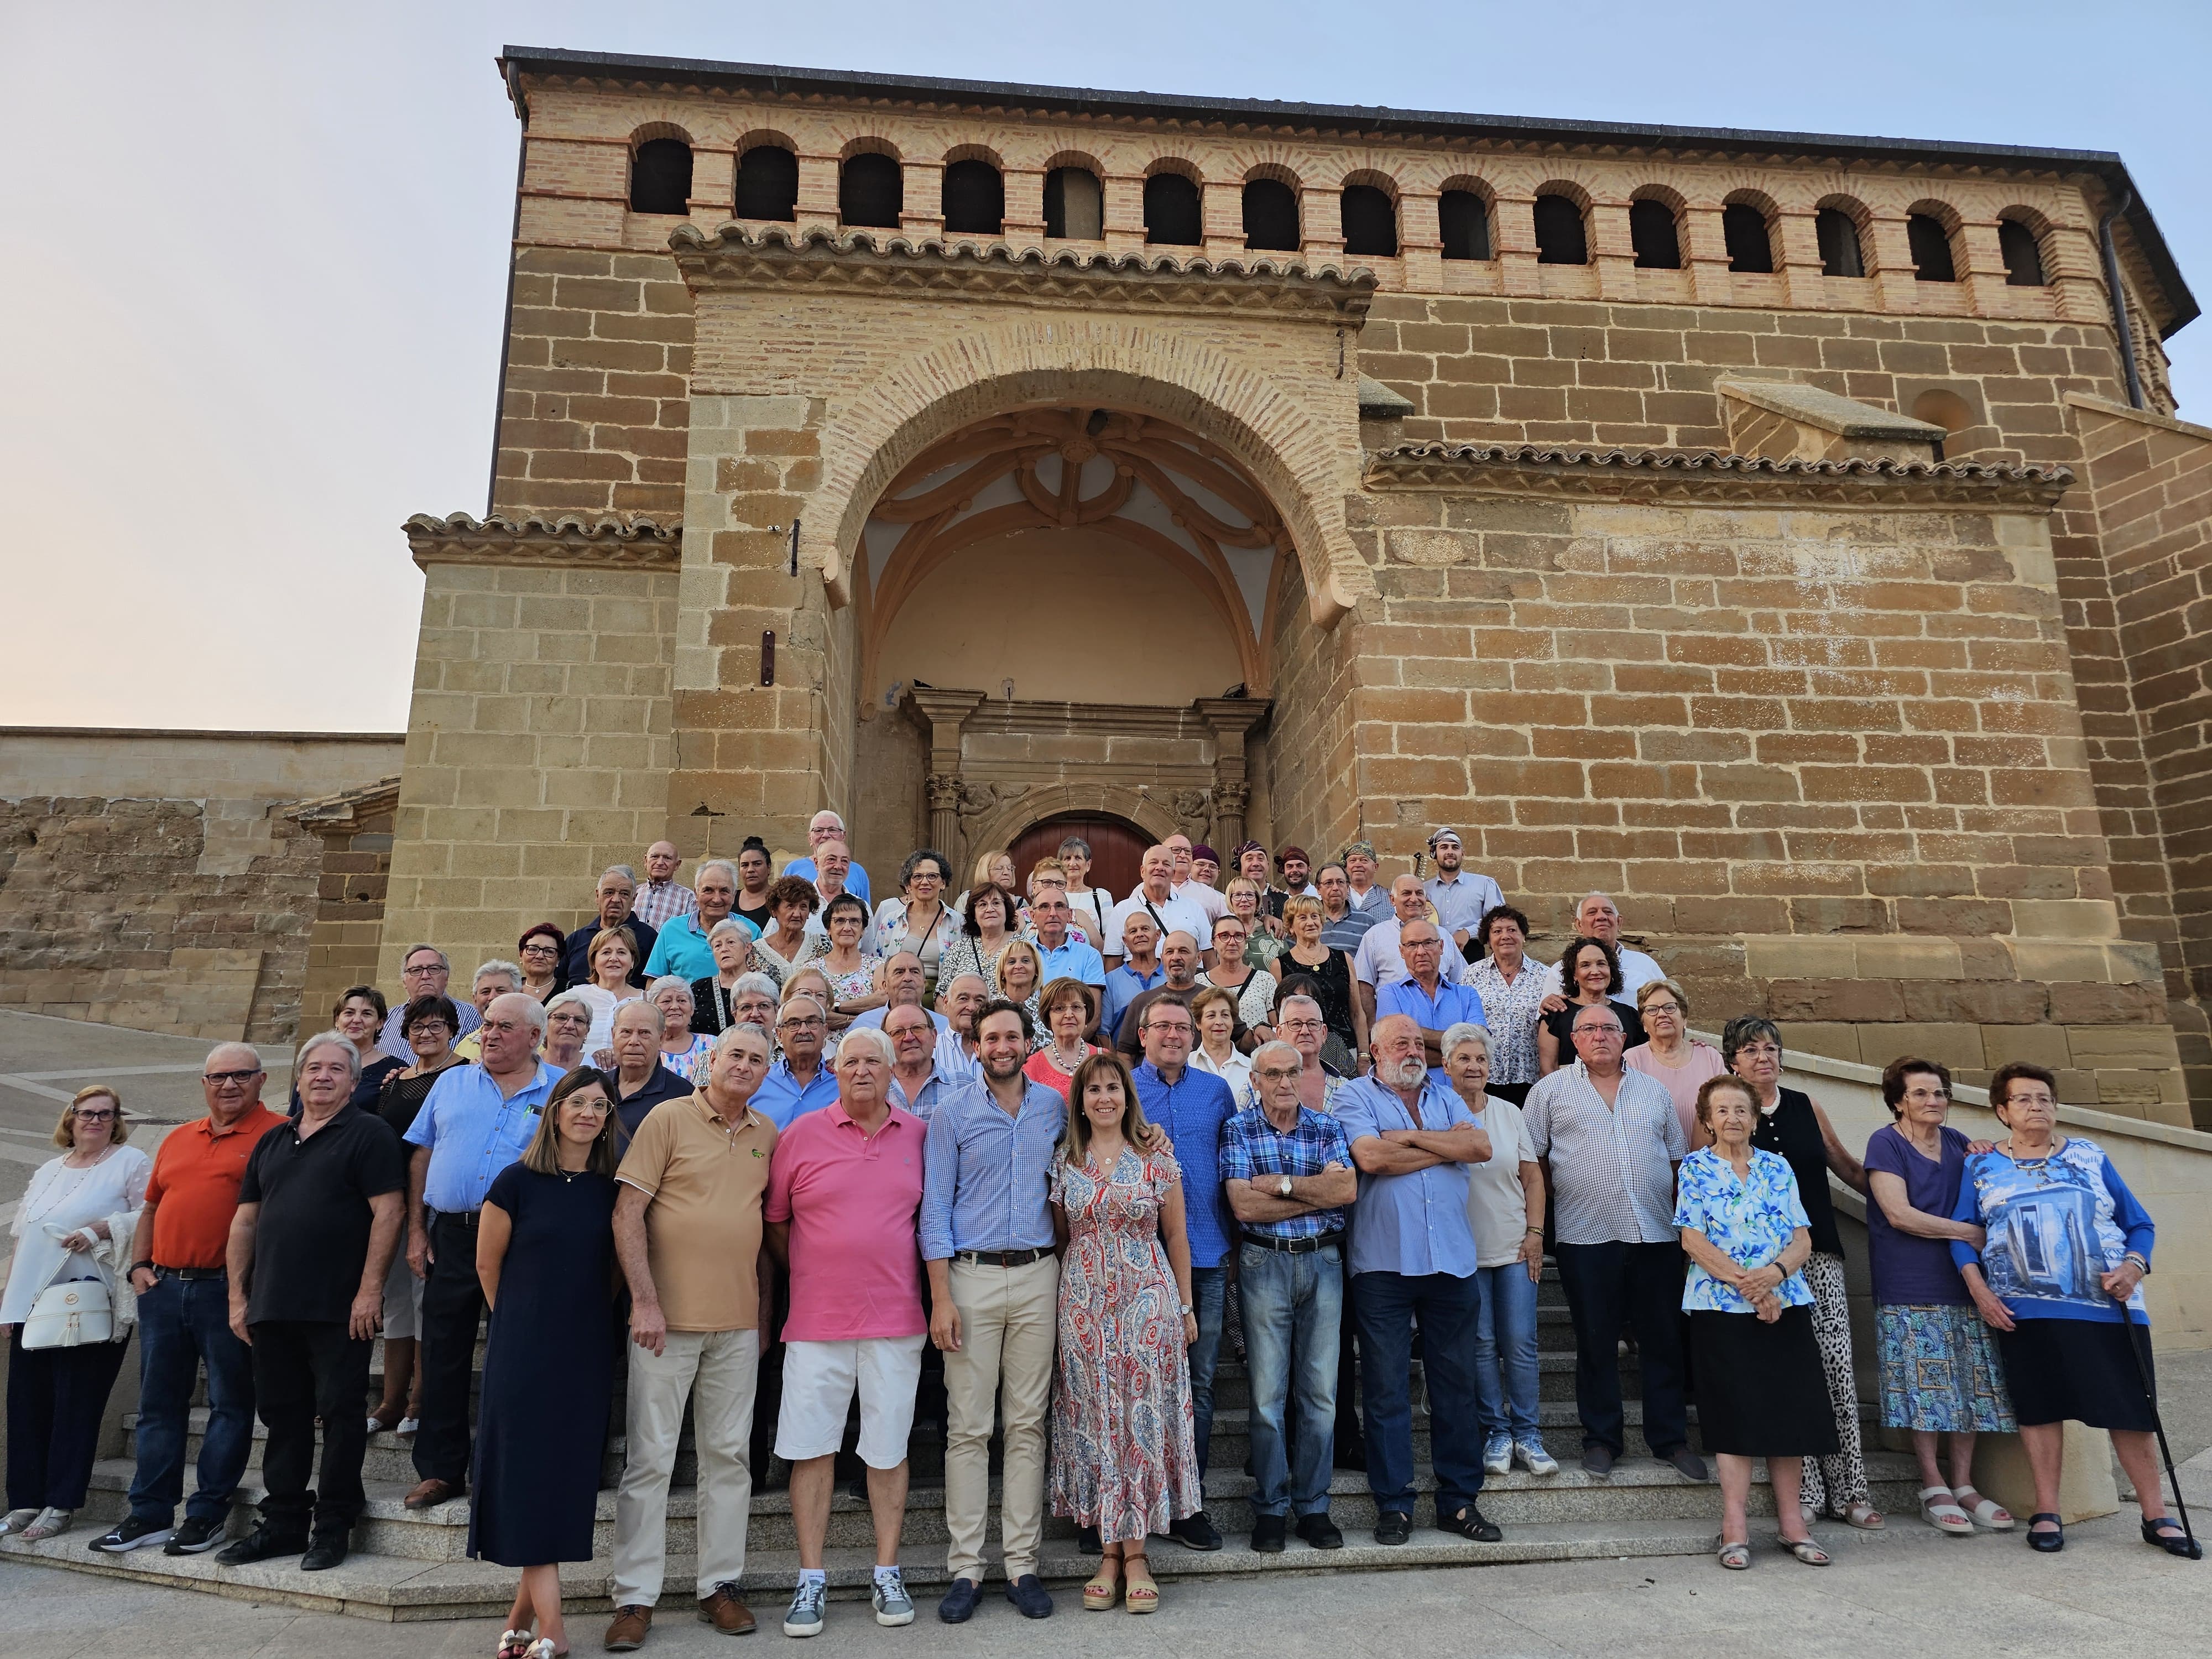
731, 941
1591, 972
744, 1001
1091, 905
992, 869
79, 1208
790, 901
1253, 988
1069, 1005
2058, 1277
538, 950
1248, 903
1331, 971
1939, 1371
1668, 1054
1791, 1123
683, 1050
427, 1025
1214, 1012
567, 1027
1505, 1212
852, 972
988, 924
1761, 1392
1512, 992
918, 919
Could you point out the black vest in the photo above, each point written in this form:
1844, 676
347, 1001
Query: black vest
1794, 1132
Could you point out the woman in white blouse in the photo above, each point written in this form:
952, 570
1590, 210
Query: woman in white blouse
613, 956
1091, 905
76, 1211
1215, 1009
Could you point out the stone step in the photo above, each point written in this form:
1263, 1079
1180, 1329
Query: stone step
389, 1588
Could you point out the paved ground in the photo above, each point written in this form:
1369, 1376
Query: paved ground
2107, 1593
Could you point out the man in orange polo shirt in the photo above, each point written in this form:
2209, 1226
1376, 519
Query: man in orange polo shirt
184, 1315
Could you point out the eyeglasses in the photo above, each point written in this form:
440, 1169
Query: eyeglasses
220, 1078
102, 1117
1275, 1074
419, 971
1655, 1006
1304, 1024
539, 948
807, 1025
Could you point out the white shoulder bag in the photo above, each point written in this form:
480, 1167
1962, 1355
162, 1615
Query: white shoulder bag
70, 1314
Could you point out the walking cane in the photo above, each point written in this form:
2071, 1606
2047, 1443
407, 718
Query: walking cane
2142, 1376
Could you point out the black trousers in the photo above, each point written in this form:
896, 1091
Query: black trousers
55, 1399
1640, 1286
452, 1313
303, 1370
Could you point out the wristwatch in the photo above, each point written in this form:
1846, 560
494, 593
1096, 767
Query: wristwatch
1285, 1189
1187, 1308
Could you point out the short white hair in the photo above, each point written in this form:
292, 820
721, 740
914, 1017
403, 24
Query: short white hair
510, 972
570, 999
748, 983
867, 1036
670, 982
533, 1011
337, 1040
1268, 1048
1460, 1033
730, 925
728, 870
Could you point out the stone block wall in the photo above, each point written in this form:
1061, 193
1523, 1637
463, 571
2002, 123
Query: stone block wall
538, 749
348, 935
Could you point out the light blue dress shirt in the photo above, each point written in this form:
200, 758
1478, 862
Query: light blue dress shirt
1073, 960
1193, 1111
856, 879
986, 1174
1123, 987
1413, 1224
473, 1133
780, 1098
1451, 1004
682, 949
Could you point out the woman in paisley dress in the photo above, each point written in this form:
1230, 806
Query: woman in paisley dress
1123, 1458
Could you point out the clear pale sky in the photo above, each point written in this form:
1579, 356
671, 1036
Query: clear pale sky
255, 255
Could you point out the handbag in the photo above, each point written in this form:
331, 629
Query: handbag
71, 1314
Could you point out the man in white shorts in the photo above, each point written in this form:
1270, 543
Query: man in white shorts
844, 1196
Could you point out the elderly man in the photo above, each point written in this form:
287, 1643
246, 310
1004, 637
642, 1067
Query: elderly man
1183, 878
1191, 1107
1155, 898
617, 902
826, 826
320, 1211
833, 870
1287, 1171
1305, 1029
1598, 917
642, 1079
960, 1052
683, 947
1460, 897
1424, 995
1342, 925
688, 1227
663, 898
905, 982
424, 971
184, 1315
1064, 955
1609, 1141
988, 1247
1178, 983
843, 1197
1413, 1257
799, 1081
1138, 973
493, 979
476, 1121
918, 1081
1378, 962
1360, 866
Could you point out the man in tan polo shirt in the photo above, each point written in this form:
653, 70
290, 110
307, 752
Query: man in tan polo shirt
688, 1232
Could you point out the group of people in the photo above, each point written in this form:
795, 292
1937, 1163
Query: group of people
1016, 1159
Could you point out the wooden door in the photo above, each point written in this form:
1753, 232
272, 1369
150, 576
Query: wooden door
1116, 848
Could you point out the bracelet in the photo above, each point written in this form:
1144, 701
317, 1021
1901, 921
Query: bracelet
2142, 1265
136, 1266
1533, 1232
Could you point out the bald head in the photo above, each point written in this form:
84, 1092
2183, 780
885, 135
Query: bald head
231, 1079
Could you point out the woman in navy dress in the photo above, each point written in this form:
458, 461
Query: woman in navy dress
546, 1255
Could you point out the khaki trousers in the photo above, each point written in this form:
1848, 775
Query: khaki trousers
1009, 1319
716, 1372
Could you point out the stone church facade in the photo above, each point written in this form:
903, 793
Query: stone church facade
1778, 533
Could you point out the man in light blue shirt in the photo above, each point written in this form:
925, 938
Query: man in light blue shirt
682, 947
903, 980
918, 1082
826, 826
1426, 998
798, 1082
1064, 956
1413, 1255
1138, 972
1461, 898
988, 1243
476, 1121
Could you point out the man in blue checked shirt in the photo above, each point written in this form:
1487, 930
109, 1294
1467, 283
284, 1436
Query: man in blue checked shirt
1287, 1171
477, 1119
1191, 1108
1413, 1255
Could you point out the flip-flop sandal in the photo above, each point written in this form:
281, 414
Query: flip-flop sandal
1805, 1549
1987, 1513
1736, 1558
1941, 1510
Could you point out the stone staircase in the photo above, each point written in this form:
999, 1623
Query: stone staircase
409, 1564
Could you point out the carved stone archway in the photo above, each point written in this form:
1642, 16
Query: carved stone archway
1006, 815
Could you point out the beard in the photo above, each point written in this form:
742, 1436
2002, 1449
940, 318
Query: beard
1407, 1073
1001, 1071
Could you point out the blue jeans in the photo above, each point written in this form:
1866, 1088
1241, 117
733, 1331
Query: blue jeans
1292, 1308
1505, 1351
1208, 1286
1449, 1309
181, 1326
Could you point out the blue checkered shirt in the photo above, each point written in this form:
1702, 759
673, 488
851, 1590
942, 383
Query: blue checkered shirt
1252, 1146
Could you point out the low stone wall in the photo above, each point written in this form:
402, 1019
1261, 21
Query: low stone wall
152, 879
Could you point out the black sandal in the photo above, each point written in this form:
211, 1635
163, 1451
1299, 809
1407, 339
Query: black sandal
2176, 1542
2049, 1542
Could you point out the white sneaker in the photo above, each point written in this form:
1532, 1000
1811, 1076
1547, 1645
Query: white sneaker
1531, 1453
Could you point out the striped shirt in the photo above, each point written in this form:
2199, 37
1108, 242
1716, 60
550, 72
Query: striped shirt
1612, 1168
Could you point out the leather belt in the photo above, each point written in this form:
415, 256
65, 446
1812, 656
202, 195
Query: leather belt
1295, 1246
1001, 1258
461, 1218
190, 1274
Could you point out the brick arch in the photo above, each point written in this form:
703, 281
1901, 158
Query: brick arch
1307, 463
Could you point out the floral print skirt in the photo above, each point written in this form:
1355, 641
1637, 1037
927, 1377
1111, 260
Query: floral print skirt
1939, 1371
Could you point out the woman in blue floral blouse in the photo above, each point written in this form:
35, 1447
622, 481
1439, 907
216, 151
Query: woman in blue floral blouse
1761, 1389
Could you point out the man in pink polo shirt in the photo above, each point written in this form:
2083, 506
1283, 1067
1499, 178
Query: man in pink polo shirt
844, 1196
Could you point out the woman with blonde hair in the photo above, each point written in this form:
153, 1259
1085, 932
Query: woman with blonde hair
545, 1257
1123, 1456
79, 1209
994, 868
1021, 978
609, 959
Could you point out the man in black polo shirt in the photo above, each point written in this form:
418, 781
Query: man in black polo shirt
641, 1080
618, 896
319, 1213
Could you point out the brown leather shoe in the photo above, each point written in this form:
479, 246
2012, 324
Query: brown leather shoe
629, 1628
725, 1613
428, 1494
